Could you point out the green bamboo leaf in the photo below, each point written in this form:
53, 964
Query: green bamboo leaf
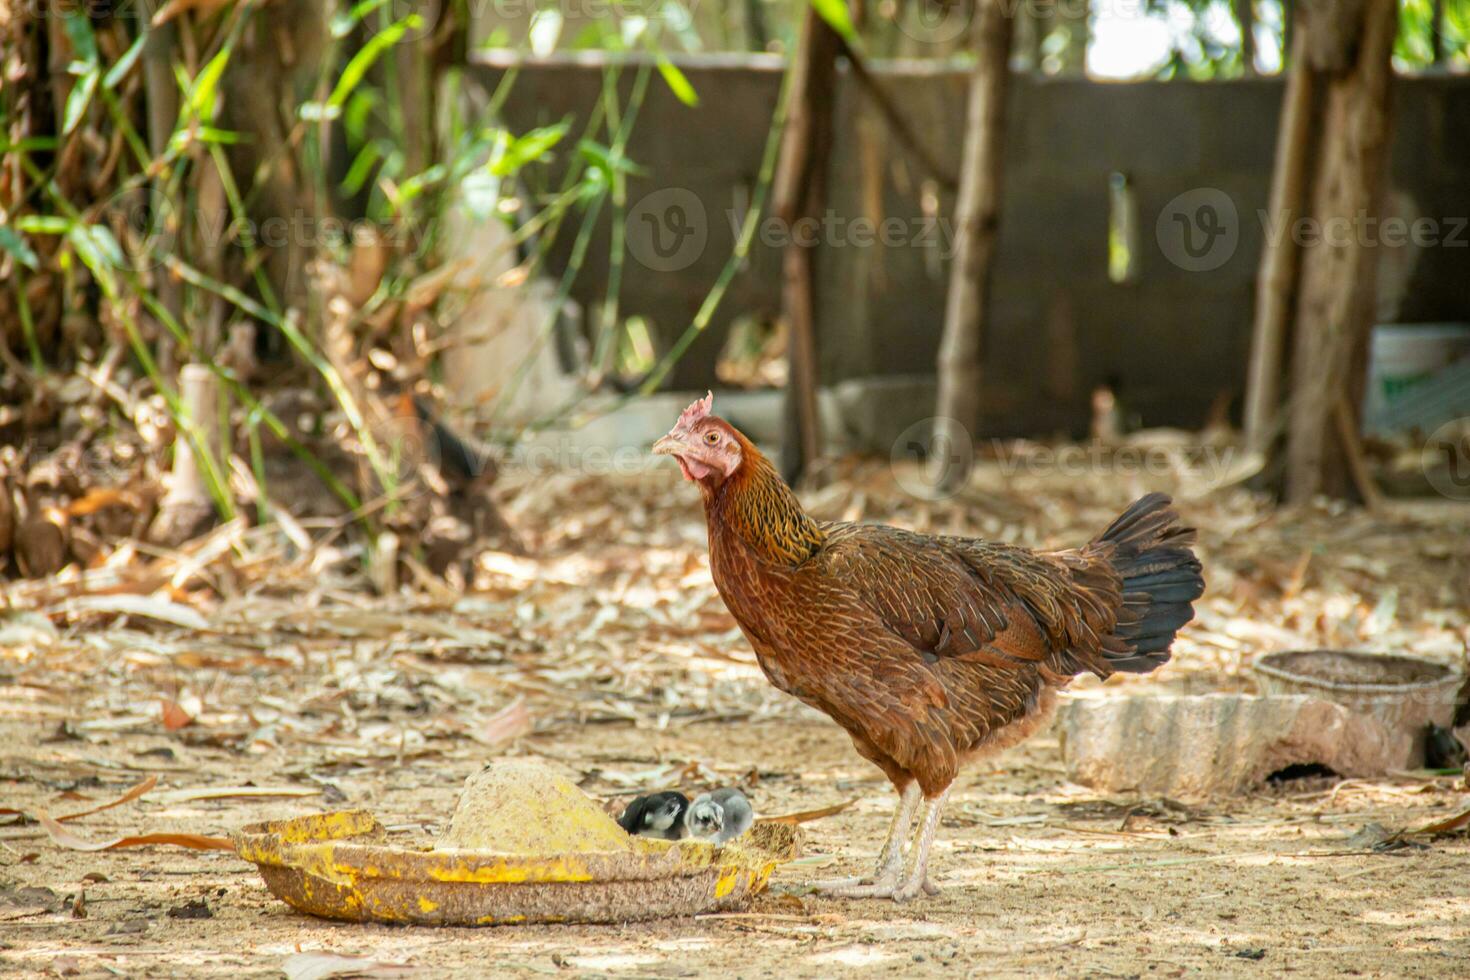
526, 148
39, 144
371, 51
418, 183
677, 82
119, 71
202, 90
212, 134
355, 118
835, 13
345, 20
79, 99
97, 253
79, 31
12, 242
43, 224
107, 244
606, 161
362, 168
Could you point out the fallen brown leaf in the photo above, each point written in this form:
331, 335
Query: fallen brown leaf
99, 497
127, 797
1446, 826
805, 816
174, 716
76, 842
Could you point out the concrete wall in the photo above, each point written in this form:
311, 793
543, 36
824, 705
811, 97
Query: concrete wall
1172, 339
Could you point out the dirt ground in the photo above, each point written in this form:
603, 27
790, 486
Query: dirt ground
1038, 876
618, 664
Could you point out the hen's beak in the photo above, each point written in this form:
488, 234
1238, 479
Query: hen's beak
690, 457
669, 445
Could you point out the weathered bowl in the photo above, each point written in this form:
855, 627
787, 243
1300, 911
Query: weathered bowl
1404, 693
338, 865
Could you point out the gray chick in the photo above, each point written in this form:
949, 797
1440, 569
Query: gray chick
720, 816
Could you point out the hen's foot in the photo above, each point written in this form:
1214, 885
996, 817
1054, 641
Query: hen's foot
913, 889
887, 888
863, 888
828, 885
878, 884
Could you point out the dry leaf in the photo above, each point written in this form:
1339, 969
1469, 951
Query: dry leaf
138, 605
1446, 826
127, 797
227, 792
99, 497
174, 716
805, 816
76, 842
509, 722
320, 966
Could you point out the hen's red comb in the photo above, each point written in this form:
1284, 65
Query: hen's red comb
698, 410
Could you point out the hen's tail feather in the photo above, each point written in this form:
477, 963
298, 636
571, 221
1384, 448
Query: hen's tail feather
1150, 550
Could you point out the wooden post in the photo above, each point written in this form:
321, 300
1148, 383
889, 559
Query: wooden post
977, 216
798, 199
187, 509
1245, 16
1276, 280
1334, 316
1436, 33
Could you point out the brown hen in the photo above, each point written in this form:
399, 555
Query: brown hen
931, 651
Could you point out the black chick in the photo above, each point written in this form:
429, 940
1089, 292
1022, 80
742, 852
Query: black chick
659, 815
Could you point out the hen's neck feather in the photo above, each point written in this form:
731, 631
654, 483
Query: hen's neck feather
755, 503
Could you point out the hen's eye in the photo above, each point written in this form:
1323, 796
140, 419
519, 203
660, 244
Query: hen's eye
711, 437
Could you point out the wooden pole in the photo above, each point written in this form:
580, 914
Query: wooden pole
977, 214
799, 196
1436, 33
1334, 314
1276, 280
1245, 16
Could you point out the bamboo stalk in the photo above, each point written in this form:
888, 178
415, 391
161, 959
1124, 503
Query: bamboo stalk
1245, 16
978, 219
799, 194
1276, 279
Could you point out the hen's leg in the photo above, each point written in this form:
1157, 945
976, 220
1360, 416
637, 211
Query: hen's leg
890, 858
918, 879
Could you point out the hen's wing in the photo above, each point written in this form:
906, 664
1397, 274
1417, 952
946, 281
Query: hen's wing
981, 600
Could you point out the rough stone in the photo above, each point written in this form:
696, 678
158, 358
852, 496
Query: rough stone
1217, 744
